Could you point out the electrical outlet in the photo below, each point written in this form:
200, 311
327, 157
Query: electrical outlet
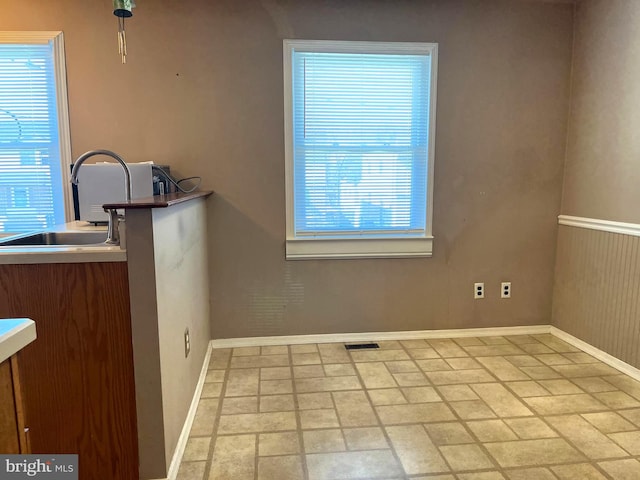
187, 343
505, 290
478, 290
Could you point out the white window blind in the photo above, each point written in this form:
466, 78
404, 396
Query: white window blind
31, 195
361, 141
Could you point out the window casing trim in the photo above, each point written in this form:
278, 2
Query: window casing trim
298, 247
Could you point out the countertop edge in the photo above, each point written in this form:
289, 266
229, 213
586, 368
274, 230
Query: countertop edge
159, 201
17, 338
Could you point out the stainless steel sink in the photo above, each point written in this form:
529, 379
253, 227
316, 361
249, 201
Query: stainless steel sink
55, 239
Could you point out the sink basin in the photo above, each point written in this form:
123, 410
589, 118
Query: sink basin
55, 239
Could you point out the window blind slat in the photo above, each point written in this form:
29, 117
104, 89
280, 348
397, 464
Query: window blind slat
360, 138
31, 194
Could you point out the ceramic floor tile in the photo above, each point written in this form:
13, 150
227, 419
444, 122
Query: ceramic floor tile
561, 404
243, 382
555, 343
333, 353
414, 413
246, 351
387, 396
530, 428
354, 409
464, 363
410, 344
500, 400
560, 387
282, 443
326, 418
375, 375
468, 341
578, 471
531, 474
632, 415
274, 387
536, 348
276, 403
314, 401
630, 441
449, 433
491, 430
586, 437
541, 373
481, 476
191, 471
369, 438
197, 449
233, 457
232, 405
416, 451
472, 410
460, 376
423, 354
327, 384
280, 468
205, 417
413, 379
305, 348
339, 370
554, 359
305, 358
580, 357
527, 389
594, 384
211, 390
309, 371
523, 361
274, 350
617, 400
421, 394
626, 384
259, 361
447, 348
502, 369
433, 365
590, 370
622, 469
402, 366
492, 350
609, 422
275, 373
323, 441
454, 393
351, 465
466, 457
215, 376
257, 422
533, 453
378, 355
498, 340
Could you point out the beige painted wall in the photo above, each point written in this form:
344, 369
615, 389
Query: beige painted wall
203, 92
602, 169
597, 273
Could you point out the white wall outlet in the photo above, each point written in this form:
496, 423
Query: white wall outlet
478, 290
505, 290
187, 343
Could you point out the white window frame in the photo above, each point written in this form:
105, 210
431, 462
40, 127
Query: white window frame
56, 38
353, 247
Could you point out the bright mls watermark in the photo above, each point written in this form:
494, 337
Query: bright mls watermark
51, 467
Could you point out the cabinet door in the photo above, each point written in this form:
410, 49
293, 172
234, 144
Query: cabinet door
9, 438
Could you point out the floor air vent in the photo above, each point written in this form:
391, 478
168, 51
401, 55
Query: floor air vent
361, 346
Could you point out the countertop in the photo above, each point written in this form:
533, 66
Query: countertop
159, 201
14, 255
15, 334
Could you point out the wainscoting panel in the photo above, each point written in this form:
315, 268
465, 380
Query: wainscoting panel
597, 290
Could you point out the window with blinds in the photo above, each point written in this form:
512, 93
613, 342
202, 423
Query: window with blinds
359, 133
31, 195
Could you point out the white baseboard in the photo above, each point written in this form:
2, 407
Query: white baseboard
378, 336
604, 357
184, 434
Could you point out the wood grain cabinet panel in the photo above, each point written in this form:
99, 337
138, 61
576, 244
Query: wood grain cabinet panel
77, 376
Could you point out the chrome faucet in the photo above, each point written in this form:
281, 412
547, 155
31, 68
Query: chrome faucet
113, 234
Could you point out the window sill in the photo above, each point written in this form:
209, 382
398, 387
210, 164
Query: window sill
308, 249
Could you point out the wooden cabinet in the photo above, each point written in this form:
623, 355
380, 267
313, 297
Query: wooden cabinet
13, 432
77, 377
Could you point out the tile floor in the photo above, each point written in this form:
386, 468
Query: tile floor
514, 408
